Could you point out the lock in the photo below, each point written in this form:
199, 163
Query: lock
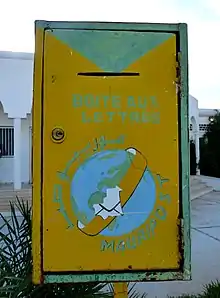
58, 135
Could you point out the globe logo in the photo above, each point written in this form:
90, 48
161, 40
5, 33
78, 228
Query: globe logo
112, 193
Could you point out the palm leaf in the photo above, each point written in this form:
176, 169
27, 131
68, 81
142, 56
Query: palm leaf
16, 262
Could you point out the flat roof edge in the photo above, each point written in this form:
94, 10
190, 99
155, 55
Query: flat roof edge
16, 55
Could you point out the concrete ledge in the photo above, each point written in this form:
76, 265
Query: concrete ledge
198, 187
195, 195
211, 181
8, 214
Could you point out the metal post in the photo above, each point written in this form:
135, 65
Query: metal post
120, 290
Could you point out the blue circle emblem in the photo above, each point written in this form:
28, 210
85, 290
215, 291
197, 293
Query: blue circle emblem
96, 193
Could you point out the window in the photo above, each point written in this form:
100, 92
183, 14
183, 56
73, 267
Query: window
7, 141
191, 127
203, 127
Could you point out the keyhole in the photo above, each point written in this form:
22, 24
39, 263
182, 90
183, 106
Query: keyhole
58, 134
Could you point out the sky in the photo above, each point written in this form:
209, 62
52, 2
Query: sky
202, 16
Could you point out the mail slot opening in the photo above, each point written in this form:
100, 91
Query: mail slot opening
109, 74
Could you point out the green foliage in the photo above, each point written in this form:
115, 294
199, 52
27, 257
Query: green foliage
16, 264
210, 148
211, 290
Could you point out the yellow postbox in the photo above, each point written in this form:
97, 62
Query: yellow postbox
110, 152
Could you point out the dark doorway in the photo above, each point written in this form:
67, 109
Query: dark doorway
193, 164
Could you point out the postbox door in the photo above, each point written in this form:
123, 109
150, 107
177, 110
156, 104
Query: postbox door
110, 151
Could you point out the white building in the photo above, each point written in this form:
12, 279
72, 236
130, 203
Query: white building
16, 81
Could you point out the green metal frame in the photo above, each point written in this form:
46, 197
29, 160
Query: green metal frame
185, 272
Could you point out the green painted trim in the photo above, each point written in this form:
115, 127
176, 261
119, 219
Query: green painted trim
111, 51
111, 277
108, 26
185, 151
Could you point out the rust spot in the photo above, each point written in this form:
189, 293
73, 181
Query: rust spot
53, 79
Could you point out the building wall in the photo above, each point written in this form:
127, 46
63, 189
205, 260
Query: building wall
16, 88
193, 116
7, 163
16, 80
200, 117
25, 150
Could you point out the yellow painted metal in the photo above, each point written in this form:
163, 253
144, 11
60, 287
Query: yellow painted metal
120, 290
66, 248
36, 141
